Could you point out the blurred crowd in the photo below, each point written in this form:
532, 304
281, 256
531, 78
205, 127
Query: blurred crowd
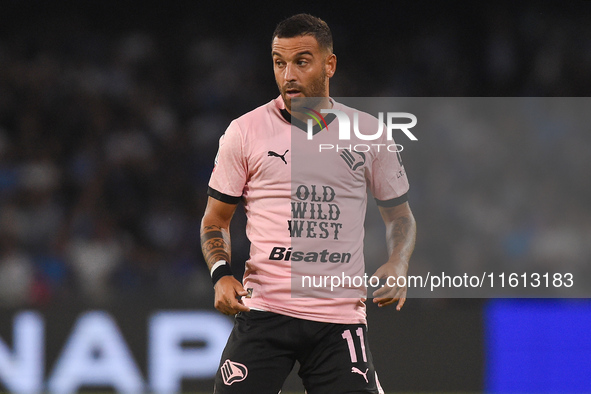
107, 140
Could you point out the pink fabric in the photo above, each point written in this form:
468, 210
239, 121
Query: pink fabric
245, 167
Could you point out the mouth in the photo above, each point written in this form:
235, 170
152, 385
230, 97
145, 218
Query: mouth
293, 93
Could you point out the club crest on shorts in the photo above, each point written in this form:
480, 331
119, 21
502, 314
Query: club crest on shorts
233, 372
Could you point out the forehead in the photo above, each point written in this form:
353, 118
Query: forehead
294, 45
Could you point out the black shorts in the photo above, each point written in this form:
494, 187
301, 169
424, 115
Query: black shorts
264, 346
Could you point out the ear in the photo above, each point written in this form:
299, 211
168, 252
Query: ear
331, 65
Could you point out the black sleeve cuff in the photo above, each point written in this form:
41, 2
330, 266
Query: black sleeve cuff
223, 197
393, 202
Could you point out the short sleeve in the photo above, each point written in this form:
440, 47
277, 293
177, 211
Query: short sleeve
387, 177
230, 171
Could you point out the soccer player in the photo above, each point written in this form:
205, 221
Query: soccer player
272, 328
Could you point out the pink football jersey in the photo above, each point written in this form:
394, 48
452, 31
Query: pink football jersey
305, 208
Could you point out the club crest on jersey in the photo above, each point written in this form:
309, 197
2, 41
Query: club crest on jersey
233, 372
355, 160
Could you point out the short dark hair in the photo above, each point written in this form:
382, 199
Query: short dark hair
303, 25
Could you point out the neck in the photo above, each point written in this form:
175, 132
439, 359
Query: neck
309, 108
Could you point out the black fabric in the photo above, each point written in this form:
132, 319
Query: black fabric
302, 126
264, 346
220, 272
393, 202
222, 197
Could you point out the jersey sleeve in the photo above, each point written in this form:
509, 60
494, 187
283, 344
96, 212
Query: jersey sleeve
230, 171
387, 178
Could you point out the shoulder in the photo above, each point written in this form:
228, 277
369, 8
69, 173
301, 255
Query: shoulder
264, 114
363, 117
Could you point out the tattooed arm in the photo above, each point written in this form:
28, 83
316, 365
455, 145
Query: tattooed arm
215, 244
400, 238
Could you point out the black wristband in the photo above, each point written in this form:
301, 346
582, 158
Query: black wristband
219, 272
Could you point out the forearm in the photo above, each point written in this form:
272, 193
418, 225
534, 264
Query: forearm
215, 231
400, 233
401, 237
215, 243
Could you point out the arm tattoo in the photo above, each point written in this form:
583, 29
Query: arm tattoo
401, 236
401, 228
215, 244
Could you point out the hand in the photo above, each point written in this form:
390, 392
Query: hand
228, 292
390, 292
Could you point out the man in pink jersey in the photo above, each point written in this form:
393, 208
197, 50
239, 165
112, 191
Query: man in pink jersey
302, 217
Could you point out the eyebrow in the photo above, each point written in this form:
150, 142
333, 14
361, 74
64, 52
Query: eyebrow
297, 54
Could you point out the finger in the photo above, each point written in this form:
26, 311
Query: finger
384, 301
401, 302
399, 295
232, 307
379, 273
384, 291
227, 303
241, 291
402, 298
387, 290
236, 304
240, 308
240, 295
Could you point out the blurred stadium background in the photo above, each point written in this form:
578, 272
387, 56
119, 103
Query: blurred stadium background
110, 113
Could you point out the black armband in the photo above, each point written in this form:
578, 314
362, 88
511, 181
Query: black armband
219, 270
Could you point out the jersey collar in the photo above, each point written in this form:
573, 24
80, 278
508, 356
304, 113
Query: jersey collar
298, 123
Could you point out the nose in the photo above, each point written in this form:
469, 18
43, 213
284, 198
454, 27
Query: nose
289, 73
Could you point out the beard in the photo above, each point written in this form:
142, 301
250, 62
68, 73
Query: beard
316, 88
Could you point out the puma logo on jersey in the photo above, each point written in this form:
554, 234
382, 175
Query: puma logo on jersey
233, 372
282, 157
353, 161
364, 374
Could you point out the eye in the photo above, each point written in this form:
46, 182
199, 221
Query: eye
279, 63
302, 62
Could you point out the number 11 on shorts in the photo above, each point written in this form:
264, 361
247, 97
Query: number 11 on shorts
352, 352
